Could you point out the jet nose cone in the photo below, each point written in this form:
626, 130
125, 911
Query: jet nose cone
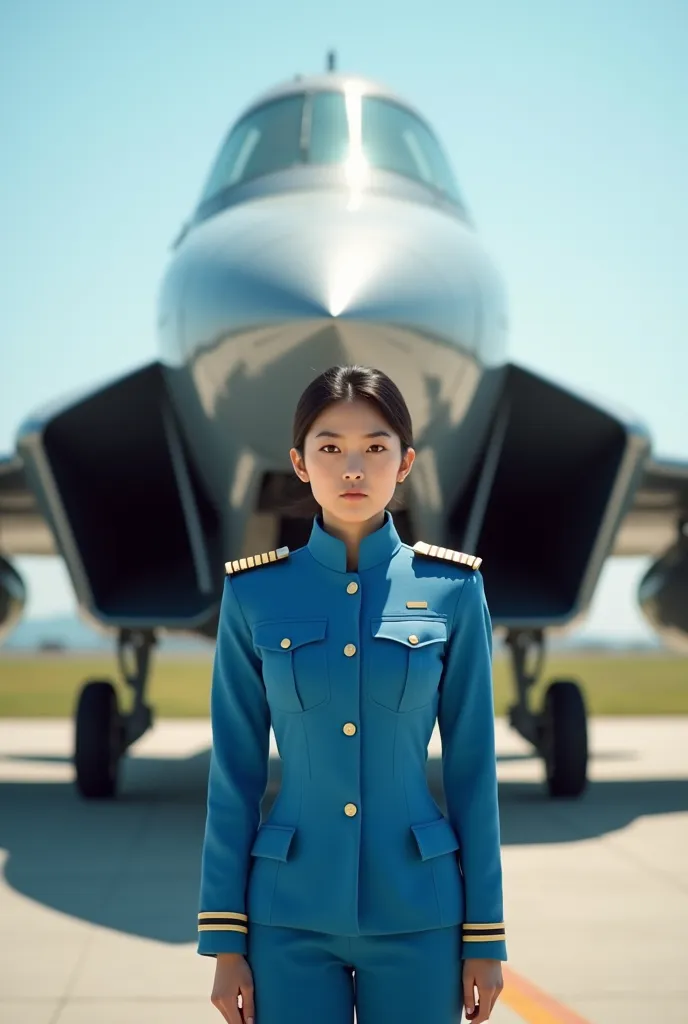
314, 258
386, 262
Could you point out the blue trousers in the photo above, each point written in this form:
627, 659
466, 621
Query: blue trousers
306, 977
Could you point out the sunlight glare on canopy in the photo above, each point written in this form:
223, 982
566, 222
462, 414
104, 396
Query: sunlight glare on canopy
356, 167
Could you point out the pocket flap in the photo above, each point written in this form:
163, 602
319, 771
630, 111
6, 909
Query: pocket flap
435, 838
423, 631
273, 841
271, 635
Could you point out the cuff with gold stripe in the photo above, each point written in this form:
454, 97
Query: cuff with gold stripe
484, 940
484, 932
222, 931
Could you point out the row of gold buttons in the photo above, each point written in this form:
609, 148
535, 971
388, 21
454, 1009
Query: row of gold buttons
350, 729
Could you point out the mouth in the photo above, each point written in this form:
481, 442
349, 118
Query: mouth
354, 494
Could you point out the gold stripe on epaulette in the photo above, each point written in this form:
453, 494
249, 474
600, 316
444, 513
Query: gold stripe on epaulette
253, 561
435, 551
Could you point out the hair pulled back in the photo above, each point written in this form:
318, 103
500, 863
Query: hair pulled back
349, 384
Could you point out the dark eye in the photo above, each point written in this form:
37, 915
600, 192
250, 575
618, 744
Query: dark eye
380, 447
326, 446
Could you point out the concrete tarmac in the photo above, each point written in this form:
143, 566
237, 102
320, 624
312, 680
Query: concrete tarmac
98, 901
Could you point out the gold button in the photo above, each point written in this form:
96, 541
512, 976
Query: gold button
350, 810
352, 588
350, 650
349, 729
285, 643
413, 639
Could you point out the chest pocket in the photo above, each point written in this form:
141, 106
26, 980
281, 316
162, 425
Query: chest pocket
405, 661
294, 656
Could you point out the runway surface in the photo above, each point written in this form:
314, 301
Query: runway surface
98, 901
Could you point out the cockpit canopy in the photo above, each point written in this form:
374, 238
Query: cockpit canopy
358, 132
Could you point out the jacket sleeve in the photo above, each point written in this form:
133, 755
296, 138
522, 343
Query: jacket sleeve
469, 769
240, 720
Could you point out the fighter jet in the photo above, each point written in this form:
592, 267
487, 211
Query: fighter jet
331, 230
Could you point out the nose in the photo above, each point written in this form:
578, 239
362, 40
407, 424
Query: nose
353, 473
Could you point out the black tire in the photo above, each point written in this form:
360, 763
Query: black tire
565, 739
98, 741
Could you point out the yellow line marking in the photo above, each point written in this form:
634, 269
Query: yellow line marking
532, 1004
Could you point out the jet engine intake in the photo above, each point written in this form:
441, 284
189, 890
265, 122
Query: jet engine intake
663, 595
543, 504
137, 531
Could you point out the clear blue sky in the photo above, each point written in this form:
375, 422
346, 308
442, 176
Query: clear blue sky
566, 124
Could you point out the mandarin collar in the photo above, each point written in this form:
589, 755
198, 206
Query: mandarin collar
376, 547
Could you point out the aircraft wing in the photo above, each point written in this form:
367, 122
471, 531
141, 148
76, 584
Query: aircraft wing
23, 529
660, 505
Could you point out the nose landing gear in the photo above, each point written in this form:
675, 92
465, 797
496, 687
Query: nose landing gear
559, 732
102, 732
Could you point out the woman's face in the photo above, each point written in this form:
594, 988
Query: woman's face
351, 447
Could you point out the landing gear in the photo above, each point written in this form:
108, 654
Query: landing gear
102, 731
559, 732
565, 738
99, 740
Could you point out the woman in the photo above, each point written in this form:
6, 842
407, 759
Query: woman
357, 891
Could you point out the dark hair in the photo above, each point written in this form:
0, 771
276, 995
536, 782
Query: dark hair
344, 384
349, 384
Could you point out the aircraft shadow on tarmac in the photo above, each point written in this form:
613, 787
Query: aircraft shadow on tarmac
133, 865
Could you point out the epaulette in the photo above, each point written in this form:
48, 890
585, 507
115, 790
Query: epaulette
460, 557
252, 561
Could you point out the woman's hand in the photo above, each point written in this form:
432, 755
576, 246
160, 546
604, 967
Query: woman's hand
486, 976
233, 977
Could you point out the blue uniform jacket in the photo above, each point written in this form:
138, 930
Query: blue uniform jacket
352, 680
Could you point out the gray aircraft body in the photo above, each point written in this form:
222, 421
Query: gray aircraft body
331, 230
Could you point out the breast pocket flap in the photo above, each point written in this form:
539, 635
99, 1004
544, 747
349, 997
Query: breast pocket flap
284, 635
411, 632
435, 838
273, 841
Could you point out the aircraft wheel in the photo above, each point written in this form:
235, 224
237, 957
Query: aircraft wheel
98, 740
564, 732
